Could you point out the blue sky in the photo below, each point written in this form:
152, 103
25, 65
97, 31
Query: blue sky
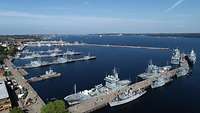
98, 16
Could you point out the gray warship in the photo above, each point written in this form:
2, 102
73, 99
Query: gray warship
112, 82
154, 72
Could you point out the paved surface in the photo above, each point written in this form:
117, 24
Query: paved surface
7, 111
36, 102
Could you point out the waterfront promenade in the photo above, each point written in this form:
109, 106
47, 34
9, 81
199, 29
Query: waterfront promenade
32, 103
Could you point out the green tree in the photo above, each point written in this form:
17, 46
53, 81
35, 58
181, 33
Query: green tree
16, 110
57, 106
2, 54
7, 73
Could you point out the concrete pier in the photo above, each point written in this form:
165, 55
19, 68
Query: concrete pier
57, 62
126, 46
63, 43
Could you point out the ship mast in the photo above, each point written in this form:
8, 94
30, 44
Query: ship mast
75, 88
115, 73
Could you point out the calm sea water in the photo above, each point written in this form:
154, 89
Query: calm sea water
180, 96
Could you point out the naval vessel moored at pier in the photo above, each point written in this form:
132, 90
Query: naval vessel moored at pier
112, 82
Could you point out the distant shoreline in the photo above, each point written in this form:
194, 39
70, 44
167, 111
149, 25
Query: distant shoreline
44, 36
192, 35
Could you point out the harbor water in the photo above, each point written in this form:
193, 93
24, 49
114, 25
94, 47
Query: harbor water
180, 96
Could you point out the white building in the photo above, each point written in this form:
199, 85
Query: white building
5, 103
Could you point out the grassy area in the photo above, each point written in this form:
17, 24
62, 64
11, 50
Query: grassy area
2, 54
18, 36
57, 106
21, 37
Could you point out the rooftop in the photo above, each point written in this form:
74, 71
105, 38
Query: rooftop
3, 90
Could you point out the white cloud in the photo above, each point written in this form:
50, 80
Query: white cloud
26, 22
21, 14
47, 17
176, 4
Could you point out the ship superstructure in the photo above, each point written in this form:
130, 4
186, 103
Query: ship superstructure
175, 59
48, 74
192, 56
41, 52
156, 74
154, 71
49, 53
185, 62
34, 64
178, 56
184, 66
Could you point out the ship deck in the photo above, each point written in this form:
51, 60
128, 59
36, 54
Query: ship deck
56, 62
44, 77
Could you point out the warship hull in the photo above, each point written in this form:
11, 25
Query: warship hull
124, 101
